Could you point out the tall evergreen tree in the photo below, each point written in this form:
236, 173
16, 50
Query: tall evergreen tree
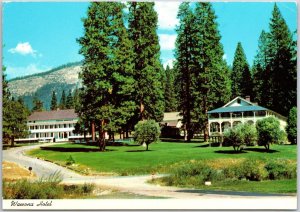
107, 69
170, 95
211, 79
69, 101
240, 76
183, 63
260, 71
148, 74
63, 100
274, 68
37, 104
53, 101
283, 64
14, 115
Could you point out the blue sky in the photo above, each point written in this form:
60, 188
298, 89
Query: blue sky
39, 36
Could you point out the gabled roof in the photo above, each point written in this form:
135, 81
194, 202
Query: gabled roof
248, 107
237, 109
53, 115
172, 116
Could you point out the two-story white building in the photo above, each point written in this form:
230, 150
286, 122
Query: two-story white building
237, 111
53, 126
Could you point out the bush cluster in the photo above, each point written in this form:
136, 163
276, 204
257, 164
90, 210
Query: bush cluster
198, 172
266, 132
45, 188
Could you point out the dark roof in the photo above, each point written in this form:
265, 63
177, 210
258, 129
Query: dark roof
237, 109
53, 115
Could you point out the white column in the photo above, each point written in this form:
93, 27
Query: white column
231, 123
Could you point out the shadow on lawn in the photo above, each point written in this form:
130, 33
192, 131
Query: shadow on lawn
230, 152
261, 150
139, 150
62, 149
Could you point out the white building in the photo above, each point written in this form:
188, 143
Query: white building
56, 126
237, 111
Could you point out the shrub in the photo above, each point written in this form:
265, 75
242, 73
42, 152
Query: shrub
268, 131
291, 127
146, 132
281, 169
70, 161
253, 170
241, 135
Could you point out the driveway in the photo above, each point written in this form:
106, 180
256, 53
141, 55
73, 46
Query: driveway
137, 184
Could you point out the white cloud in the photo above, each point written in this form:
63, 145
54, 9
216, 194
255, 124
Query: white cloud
169, 63
32, 68
167, 41
225, 57
167, 14
23, 49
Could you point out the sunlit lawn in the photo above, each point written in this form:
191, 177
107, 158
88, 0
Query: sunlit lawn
133, 159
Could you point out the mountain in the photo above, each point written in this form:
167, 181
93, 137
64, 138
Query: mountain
64, 77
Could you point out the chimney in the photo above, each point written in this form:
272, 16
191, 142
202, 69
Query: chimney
247, 98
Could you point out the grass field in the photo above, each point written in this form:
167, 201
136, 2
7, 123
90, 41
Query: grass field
130, 160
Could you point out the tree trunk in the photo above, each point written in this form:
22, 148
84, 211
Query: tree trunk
127, 133
101, 136
84, 136
12, 142
142, 108
113, 137
147, 146
93, 131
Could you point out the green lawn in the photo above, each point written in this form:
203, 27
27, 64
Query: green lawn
133, 159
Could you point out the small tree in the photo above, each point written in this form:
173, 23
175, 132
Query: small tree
269, 131
291, 127
241, 135
146, 132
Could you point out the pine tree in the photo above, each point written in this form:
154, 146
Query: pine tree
260, 70
283, 64
37, 104
105, 99
170, 95
211, 79
183, 53
53, 101
148, 75
274, 68
240, 75
69, 101
63, 100
14, 115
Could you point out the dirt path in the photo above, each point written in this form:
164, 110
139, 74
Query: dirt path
132, 184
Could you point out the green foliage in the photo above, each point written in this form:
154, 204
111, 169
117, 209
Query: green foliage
170, 92
240, 75
291, 127
107, 70
149, 74
275, 69
63, 101
281, 169
69, 101
269, 131
203, 75
147, 131
241, 135
37, 104
253, 170
14, 116
70, 161
53, 101
48, 188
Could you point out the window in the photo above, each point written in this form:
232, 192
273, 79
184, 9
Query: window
238, 101
65, 126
